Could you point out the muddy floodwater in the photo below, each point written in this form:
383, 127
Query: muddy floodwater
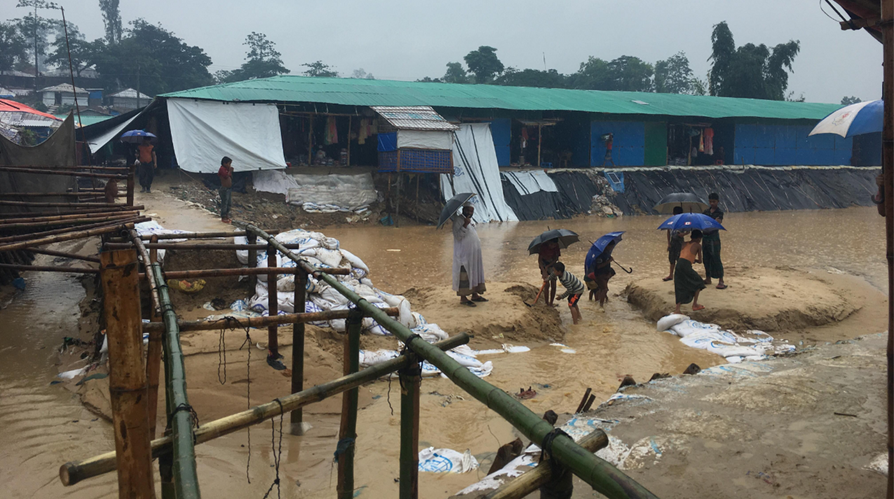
42, 426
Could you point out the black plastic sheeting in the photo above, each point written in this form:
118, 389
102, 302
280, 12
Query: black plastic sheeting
739, 190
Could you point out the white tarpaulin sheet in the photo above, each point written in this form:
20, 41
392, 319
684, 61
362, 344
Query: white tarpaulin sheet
424, 139
98, 143
531, 182
476, 170
205, 131
327, 193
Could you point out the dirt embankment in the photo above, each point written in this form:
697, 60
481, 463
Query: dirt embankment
768, 299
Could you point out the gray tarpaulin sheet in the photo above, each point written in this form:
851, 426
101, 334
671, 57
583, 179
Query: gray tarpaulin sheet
326, 193
57, 150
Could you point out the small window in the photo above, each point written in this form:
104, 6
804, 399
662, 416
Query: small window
57, 98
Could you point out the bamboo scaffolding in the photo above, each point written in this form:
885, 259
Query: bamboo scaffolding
202, 235
272, 304
63, 254
410, 380
199, 246
50, 194
110, 208
153, 284
78, 471
59, 205
195, 274
47, 268
153, 357
347, 431
54, 167
42, 234
532, 480
71, 235
61, 172
129, 185
296, 418
127, 379
50, 223
601, 475
186, 481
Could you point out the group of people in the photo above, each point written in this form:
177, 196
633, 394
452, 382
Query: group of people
702, 247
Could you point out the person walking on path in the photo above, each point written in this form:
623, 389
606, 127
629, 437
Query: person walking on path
674, 245
687, 282
549, 254
146, 155
711, 245
225, 172
468, 266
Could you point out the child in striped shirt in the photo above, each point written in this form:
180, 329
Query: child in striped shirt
573, 288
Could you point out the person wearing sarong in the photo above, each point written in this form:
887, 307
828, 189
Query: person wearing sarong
711, 245
548, 255
598, 275
468, 268
674, 245
687, 282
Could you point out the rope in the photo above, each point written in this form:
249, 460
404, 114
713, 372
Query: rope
277, 454
247, 397
230, 322
193, 417
546, 453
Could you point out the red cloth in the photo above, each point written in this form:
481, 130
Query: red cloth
226, 176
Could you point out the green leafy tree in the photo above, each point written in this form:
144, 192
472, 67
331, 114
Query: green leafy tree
153, 60
699, 86
626, 73
429, 79
532, 78
484, 64
13, 46
592, 75
847, 101
261, 61
37, 29
673, 75
83, 53
320, 70
111, 20
455, 73
752, 71
361, 74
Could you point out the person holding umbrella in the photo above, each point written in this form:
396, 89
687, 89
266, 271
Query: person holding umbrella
146, 154
597, 266
468, 267
548, 248
687, 283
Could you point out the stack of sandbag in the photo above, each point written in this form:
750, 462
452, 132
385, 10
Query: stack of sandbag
753, 345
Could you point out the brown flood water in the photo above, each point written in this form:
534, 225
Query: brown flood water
36, 419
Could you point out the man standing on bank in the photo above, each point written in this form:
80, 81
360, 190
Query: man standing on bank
225, 172
468, 267
711, 245
148, 162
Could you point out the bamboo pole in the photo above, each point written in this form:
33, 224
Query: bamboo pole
127, 379
82, 167
61, 172
347, 432
48, 268
51, 194
57, 205
259, 322
130, 185
349, 141
63, 254
195, 274
252, 256
310, 141
77, 471
69, 236
38, 225
154, 351
887, 17
42, 234
198, 246
109, 208
533, 479
11, 222
272, 304
601, 475
185, 479
410, 380
205, 235
296, 419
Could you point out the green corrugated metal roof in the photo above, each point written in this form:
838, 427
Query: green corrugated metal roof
361, 92
86, 119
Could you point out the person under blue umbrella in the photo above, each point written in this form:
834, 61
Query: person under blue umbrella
597, 266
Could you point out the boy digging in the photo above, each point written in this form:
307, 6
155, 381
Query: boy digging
573, 288
687, 282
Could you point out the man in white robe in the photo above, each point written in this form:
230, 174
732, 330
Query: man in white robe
468, 268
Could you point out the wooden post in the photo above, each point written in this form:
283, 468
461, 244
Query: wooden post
347, 432
310, 140
297, 416
349, 141
272, 305
153, 356
410, 379
397, 198
130, 184
417, 195
539, 142
689, 152
252, 256
127, 378
887, 16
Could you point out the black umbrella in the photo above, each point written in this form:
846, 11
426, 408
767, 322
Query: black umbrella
452, 205
561, 236
686, 200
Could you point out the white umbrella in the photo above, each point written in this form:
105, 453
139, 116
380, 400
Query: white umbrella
856, 119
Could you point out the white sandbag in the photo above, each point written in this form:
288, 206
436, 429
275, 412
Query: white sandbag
464, 360
73, 373
446, 461
669, 321
330, 243
370, 358
688, 327
430, 333
702, 339
331, 258
509, 348
725, 350
355, 261
286, 283
241, 255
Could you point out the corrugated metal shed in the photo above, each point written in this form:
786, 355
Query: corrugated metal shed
414, 118
360, 92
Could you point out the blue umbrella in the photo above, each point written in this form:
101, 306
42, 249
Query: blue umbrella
690, 221
137, 136
599, 247
856, 119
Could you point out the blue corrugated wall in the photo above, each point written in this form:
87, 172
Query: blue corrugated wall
501, 130
629, 146
785, 145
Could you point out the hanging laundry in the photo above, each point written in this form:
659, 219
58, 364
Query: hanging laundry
709, 141
362, 133
524, 141
331, 136
701, 142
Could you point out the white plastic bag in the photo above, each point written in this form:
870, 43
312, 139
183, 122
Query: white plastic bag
669, 321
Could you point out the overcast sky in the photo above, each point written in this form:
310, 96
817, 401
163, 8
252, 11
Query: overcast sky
410, 39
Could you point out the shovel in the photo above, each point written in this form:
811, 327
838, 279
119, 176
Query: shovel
545, 283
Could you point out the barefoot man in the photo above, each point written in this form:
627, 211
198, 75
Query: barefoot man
687, 282
468, 269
